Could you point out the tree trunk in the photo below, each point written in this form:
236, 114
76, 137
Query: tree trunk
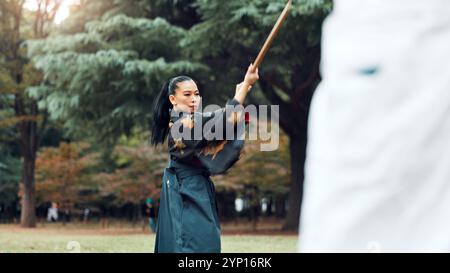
295, 126
297, 149
280, 206
269, 206
25, 108
28, 216
29, 139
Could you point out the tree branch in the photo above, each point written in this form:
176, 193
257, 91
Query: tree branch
277, 82
286, 113
42, 127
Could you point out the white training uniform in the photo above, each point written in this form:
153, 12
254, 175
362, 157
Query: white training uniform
377, 175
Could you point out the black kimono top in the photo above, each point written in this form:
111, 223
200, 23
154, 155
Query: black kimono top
188, 151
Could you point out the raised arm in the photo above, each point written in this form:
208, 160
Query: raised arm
244, 87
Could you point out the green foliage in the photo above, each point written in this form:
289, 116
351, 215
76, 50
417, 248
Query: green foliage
151, 39
106, 79
232, 33
104, 67
86, 11
10, 172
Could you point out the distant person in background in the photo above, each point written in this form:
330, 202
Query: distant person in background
86, 212
52, 214
377, 174
150, 213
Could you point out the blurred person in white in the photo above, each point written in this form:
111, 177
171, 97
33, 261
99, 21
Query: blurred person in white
377, 175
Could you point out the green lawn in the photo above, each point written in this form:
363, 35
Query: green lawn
69, 239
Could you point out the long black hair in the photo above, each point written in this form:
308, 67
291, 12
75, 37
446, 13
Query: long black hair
161, 110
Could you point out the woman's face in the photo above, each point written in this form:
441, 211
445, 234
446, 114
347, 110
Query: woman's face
187, 97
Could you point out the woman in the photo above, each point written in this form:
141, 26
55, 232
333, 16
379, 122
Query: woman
187, 218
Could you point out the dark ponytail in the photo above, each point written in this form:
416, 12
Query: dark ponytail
161, 110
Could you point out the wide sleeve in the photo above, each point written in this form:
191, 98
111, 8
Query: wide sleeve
198, 131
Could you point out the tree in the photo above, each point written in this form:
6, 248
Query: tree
137, 176
105, 80
61, 173
9, 178
230, 36
16, 75
74, 175
102, 69
10, 165
259, 175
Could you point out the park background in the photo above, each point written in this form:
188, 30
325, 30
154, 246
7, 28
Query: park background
77, 82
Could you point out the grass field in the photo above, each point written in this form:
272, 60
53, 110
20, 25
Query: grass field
76, 238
